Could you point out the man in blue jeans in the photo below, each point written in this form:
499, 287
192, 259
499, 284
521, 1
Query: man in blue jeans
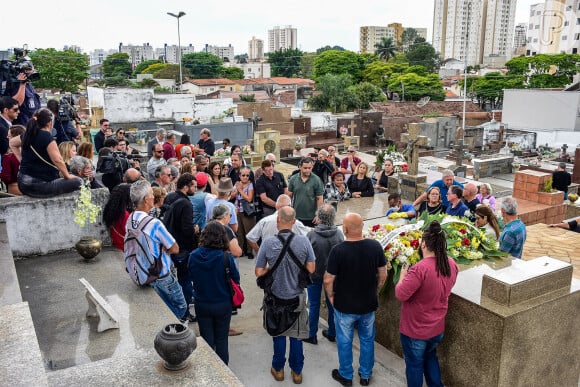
285, 287
352, 281
323, 238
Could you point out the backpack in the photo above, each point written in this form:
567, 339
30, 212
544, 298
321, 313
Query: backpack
143, 267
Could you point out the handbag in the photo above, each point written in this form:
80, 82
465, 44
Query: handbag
279, 314
249, 208
235, 288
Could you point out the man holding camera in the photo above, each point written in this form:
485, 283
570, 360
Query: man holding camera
23, 92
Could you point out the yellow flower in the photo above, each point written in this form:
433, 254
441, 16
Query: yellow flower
458, 244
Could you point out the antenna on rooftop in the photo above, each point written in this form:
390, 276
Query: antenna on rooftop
423, 101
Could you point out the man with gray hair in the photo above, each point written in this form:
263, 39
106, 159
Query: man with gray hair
159, 241
205, 145
132, 175
158, 139
268, 227
323, 238
512, 238
81, 166
446, 181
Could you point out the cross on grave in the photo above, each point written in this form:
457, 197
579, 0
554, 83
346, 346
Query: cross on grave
413, 141
352, 127
459, 152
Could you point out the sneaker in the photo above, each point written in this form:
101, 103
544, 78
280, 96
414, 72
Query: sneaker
364, 381
311, 340
328, 337
338, 377
278, 375
190, 318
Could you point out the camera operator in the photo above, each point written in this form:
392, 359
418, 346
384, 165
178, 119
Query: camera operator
63, 129
24, 93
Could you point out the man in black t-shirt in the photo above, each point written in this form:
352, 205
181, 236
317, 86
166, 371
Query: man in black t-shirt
561, 179
269, 186
352, 282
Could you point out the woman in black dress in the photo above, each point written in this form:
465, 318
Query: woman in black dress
432, 204
383, 179
359, 184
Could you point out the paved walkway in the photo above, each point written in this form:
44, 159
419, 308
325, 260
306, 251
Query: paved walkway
251, 352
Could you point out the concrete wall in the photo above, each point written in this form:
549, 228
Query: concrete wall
43, 226
541, 110
126, 105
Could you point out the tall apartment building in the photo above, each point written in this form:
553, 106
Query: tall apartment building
422, 32
137, 54
223, 52
97, 56
255, 49
469, 30
398, 28
520, 39
554, 27
282, 38
371, 35
170, 54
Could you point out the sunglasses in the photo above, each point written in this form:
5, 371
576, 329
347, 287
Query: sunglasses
121, 132
351, 151
245, 175
159, 151
16, 109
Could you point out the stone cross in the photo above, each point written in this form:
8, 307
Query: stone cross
459, 152
352, 127
413, 141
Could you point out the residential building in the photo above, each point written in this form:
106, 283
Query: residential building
469, 30
74, 48
252, 70
137, 54
282, 38
97, 56
520, 39
207, 86
170, 53
225, 53
398, 28
255, 49
371, 35
554, 27
422, 32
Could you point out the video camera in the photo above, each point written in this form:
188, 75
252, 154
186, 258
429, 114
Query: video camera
66, 110
114, 162
10, 69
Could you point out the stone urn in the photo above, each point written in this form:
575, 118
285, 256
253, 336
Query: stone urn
174, 344
88, 247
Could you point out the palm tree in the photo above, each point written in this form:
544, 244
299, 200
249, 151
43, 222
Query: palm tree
385, 49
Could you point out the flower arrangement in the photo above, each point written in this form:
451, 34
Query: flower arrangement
390, 152
246, 149
465, 242
222, 152
85, 211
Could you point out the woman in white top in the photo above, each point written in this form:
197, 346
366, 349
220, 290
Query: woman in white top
484, 217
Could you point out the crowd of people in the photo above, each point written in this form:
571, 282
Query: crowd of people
203, 215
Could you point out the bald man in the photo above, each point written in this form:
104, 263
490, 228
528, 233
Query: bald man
352, 281
268, 226
288, 289
469, 193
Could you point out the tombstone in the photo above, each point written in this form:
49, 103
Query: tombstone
459, 169
411, 180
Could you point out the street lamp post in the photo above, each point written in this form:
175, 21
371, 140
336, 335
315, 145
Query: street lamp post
178, 16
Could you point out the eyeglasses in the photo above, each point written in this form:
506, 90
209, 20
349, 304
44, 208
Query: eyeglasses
16, 109
121, 132
351, 151
245, 175
159, 151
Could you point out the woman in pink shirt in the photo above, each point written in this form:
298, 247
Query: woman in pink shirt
424, 292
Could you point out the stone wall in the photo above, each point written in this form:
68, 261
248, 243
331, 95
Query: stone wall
492, 166
42, 226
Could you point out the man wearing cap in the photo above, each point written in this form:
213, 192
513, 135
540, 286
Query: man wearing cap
159, 139
349, 163
224, 189
199, 200
178, 220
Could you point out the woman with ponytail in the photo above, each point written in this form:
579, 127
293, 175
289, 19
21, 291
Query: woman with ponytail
424, 291
42, 161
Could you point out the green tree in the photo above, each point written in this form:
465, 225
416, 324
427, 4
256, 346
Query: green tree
64, 70
385, 49
242, 58
408, 38
143, 65
417, 86
232, 73
378, 72
285, 63
167, 71
488, 90
147, 83
545, 70
117, 65
334, 95
247, 98
307, 65
327, 48
423, 54
202, 65
339, 62
364, 93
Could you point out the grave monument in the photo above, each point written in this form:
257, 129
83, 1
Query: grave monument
410, 181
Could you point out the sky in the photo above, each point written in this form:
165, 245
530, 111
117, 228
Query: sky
106, 23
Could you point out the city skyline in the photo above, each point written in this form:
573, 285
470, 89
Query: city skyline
61, 23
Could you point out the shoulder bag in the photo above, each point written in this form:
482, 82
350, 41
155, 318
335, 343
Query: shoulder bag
235, 288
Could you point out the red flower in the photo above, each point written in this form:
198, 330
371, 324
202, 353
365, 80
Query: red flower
402, 234
414, 243
388, 247
376, 227
466, 242
463, 231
